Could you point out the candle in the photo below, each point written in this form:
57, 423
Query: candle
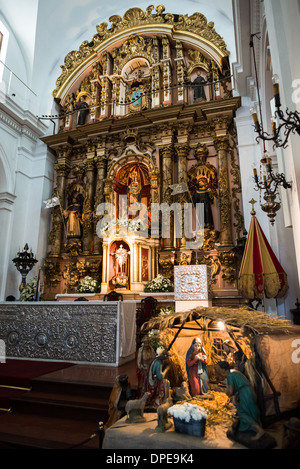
275, 81
254, 117
276, 89
254, 172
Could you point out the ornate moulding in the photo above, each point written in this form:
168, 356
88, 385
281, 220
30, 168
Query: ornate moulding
87, 333
192, 282
193, 28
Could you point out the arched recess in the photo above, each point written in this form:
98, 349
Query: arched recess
117, 165
7, 199
6, 180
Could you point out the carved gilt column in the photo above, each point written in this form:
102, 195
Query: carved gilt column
167, 180
88, 218
94, 110
182, 151
180, 64
56, 234
222, 146
100, 163
105, 88
166, 61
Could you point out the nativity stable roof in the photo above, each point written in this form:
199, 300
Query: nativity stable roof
241, 318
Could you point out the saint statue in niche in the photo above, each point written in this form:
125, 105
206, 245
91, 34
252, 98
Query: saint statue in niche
198, 85
73, 215
134, 191
83, 108
203, 195
203, 185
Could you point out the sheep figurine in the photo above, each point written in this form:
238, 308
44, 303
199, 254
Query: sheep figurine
182, 392
163, 423
135, 409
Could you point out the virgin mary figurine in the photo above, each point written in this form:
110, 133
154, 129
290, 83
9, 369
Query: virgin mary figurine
196, 360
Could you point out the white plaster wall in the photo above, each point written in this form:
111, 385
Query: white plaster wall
276, 22
23, 171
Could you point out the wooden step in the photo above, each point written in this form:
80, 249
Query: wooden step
62, 405
62, 409
54, 385
18, 431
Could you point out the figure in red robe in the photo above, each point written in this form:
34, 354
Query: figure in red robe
196, 360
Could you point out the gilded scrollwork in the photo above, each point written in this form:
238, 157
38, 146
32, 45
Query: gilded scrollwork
214, 265
52, 273
236, 186
73, 247
228, 263
211, 237
166, 263
71, 276
197, 59
196, 24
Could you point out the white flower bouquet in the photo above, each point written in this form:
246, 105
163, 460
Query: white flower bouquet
159, 284
88, 285
131, 225
189, 419
188, 412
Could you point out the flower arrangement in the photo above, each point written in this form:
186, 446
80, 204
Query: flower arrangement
131, 225
188, 412
166, 311
88, 285
28, 292
159, 284
154, 337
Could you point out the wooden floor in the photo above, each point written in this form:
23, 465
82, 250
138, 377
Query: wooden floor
63, 409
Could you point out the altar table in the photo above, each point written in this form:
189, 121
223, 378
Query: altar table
92, 332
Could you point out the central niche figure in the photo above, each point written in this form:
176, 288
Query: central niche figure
134, 191
120, 280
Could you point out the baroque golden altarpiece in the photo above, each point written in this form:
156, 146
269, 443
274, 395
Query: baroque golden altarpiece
145, 105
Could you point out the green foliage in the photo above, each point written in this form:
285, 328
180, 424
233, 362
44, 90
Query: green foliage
28, 291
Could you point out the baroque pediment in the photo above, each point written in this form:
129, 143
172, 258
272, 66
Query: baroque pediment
140, 21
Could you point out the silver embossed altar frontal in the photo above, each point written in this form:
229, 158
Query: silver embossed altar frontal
191, 286
91, 332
